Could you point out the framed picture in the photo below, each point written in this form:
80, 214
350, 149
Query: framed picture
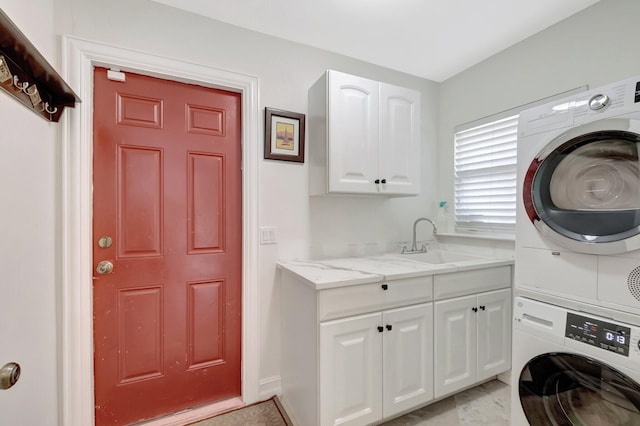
283, 135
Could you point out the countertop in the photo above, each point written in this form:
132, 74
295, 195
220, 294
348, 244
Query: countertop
330, 273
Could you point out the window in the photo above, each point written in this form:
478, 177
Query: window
485, 170
485, 175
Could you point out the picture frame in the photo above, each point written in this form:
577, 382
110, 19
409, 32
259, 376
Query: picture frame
284, 135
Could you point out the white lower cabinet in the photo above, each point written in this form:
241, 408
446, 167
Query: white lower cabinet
407, 355
350, 371
354, 355
472, 339
376, 365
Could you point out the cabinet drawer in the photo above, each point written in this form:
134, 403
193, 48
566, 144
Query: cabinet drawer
469, 282
357, 299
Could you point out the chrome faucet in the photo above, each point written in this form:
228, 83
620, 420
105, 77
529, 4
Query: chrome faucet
414, 248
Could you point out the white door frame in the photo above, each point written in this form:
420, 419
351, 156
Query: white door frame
76, 299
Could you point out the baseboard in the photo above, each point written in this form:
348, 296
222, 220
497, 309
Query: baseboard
287, 409
268, 387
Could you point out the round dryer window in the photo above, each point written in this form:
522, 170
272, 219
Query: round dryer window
570, 389
584, 191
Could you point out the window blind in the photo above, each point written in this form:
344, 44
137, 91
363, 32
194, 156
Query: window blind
485, 176
485, 170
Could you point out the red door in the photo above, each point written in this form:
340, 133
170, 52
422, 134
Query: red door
167, 214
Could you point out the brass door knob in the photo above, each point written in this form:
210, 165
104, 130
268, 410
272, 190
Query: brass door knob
104, 267
9, 375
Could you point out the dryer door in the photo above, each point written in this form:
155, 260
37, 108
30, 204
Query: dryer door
583, 190
569, 389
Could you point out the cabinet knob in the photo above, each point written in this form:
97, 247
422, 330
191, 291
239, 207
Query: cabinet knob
380, 328
482, 308
385, 286
377, 181
474, 309
389, 327
383, 181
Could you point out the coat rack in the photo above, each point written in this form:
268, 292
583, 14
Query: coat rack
27, 76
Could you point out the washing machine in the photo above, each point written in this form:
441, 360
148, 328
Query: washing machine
571, 367
578, 208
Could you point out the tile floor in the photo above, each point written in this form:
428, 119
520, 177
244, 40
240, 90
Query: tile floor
486, 404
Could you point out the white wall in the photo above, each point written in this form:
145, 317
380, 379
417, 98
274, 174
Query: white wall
594, 47
28, 196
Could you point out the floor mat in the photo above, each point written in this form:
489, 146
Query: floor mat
265, 413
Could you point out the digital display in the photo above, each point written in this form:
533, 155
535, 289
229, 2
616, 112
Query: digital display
601, 334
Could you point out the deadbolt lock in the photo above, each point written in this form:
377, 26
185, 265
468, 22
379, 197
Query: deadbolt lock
105, 267
9, 375
105, 242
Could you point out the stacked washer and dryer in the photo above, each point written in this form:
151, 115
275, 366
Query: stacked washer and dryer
576, 329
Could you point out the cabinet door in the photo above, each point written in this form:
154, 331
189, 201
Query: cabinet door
455, 344
351, 371
399, 161
353, 133
494, 333
408, 358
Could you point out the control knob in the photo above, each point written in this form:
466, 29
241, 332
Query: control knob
599, 101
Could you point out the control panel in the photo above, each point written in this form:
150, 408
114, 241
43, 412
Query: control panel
599, 333
607, 101
594, 335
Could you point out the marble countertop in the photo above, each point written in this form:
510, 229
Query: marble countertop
330, 273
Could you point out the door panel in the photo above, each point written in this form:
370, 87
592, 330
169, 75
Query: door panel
455, 344
141, 337
399, 150
494, 333
139, 201
351, 379
205, 208
167, 189
408, 358
206, 323
353, 133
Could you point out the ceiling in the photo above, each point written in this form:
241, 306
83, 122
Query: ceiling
433, 39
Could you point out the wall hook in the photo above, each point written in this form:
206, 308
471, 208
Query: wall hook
50, 111
20, 86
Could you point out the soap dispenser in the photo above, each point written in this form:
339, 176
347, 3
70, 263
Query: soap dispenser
443, 216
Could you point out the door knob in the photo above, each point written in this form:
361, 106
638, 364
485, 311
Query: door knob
104, 267
9, 375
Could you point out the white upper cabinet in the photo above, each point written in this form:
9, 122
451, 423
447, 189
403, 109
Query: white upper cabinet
364, 137
399, 148
352, 133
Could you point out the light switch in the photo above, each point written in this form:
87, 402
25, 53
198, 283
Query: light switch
268, 235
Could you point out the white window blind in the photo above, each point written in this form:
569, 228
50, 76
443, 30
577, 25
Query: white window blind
485, 170
485, 176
